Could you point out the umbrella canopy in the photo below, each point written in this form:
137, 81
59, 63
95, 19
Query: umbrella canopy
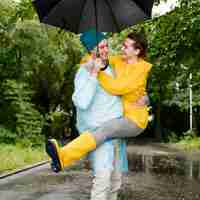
104, 15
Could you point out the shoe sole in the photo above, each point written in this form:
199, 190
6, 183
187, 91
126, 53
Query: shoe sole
53, 154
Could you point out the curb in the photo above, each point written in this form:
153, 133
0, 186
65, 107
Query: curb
23, 169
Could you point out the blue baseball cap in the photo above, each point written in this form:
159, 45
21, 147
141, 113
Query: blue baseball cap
91, 38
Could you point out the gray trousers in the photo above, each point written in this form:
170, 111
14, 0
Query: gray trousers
116, 128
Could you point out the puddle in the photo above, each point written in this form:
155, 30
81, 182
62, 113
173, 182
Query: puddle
165, 164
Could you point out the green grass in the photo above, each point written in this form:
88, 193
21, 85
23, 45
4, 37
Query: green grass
189, 141
189, 144
13, 157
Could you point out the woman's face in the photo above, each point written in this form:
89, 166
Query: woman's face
128, 49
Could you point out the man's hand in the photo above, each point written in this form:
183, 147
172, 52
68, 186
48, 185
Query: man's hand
94, 71
88, 65
98, 64
93, 55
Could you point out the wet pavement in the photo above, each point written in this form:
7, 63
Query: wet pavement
157, 174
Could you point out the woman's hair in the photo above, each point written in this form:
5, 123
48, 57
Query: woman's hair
140, 43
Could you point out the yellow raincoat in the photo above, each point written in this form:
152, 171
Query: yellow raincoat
129, 83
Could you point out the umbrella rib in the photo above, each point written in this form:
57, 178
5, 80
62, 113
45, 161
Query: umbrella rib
82, 9
113, 16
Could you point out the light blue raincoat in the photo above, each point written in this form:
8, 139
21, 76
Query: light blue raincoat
94, 107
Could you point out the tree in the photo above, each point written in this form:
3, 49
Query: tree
37, 68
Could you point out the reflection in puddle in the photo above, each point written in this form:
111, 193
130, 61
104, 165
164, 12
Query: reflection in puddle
161, 177
165, 164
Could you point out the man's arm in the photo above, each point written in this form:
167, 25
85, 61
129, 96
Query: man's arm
85, 89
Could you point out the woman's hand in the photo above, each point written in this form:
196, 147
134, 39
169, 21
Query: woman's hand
141, 102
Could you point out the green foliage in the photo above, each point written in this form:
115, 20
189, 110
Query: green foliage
20, 112
25, 10
59, 121
189, 135
6, 135
189, 141
28, 120
172, 138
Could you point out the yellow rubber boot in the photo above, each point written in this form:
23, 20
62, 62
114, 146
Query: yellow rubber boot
76, 149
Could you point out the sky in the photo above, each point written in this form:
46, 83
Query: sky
164, 7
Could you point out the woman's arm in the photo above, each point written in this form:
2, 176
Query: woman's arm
124, 84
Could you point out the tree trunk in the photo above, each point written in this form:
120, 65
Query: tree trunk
158, 133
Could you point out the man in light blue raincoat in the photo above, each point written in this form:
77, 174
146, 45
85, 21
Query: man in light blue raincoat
94, 107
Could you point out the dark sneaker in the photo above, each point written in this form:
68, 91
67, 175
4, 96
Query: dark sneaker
52, 151
53, 167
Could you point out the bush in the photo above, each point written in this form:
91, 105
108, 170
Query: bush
172, 137
189, 141
18, 113
6, 135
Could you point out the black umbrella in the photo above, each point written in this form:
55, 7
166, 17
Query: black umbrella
104, 15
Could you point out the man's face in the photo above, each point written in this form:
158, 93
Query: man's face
103, 49
128, 48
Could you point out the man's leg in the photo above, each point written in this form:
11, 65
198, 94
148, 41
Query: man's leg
101, 185
102, 160
116, 182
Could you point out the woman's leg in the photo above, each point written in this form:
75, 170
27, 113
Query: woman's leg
88, 141
116, 128
71, 152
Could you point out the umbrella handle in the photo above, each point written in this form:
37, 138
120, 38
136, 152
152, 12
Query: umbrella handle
104, 68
